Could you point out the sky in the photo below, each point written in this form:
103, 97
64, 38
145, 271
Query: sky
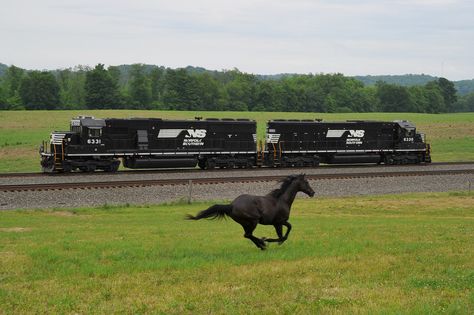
361, 37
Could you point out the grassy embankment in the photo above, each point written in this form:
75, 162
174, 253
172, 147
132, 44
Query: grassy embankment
383, 254
21, 132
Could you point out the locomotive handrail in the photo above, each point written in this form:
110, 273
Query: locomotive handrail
62, 149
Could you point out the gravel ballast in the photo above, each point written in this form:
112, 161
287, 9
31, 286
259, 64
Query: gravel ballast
70, 198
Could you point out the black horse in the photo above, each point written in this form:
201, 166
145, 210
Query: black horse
272, 209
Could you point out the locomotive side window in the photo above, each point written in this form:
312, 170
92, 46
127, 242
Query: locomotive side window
95, 132
410, 132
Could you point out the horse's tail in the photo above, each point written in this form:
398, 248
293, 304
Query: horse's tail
214, 212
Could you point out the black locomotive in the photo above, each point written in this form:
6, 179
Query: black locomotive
99, 144
308, 142
150, 143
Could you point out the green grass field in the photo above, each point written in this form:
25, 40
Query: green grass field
21, 132
402, 254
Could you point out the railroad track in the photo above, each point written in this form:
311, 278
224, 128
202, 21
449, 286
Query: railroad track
187, 170
219, 180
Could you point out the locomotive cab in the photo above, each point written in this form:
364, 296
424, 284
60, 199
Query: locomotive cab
408, 136
88, 129
411, 145
80, 148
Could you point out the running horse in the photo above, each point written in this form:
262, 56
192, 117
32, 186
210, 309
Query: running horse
271, 209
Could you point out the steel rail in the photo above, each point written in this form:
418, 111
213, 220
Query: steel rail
187, 170
220, 180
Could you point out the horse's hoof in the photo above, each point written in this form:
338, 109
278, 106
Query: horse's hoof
263, 248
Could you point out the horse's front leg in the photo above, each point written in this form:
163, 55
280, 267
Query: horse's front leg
279, 232
288, 229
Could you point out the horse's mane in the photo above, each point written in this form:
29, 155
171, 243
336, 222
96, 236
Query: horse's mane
276, 193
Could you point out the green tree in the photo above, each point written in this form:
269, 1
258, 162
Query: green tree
418, 99
3, 97
467, 102
157, 83
240, 90
393, 98
10, 88
101, 90
39, 90
434, 98
181, 90
72, 83
140, 88
265, 97
448, 92
209, 93
13, 79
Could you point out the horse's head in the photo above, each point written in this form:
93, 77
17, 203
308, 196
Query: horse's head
303, 185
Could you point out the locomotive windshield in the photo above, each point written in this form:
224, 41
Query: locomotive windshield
76, 125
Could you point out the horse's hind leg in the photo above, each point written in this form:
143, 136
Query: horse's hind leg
249, 228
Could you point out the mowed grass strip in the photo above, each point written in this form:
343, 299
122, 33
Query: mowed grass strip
21, 132
410, 253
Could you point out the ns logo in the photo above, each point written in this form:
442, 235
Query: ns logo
356, 134
196, 133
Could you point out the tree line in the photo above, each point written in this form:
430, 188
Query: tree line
152, 87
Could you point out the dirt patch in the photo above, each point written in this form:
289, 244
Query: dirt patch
15, 229
62, 213
15, 152
447, 130
426, 203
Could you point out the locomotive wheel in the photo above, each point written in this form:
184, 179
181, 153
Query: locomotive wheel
113, 167
67, 168
87, 168
210, 164
389, 160
202, 164
47, 165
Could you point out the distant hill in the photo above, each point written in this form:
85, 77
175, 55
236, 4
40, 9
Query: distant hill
464, 87
404, 80
3, 69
